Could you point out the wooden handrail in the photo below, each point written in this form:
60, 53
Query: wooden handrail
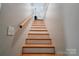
25, 22
20, 28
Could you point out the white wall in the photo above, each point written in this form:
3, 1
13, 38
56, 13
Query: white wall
71, 27
54, 24
65, 16
12, 14
0, 6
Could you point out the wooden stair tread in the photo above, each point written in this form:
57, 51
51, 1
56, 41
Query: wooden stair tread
38, 33
38, 26
39, 20
43, 54
38, 39
39, 36
36, 54
38, 46
40, 29
39, 23
29, 38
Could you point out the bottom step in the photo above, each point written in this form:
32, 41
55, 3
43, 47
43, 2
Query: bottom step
38, 54
38, 48
41, 55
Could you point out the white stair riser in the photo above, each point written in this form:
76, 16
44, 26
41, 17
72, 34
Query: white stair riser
37, 25
38, 28
38, 41
38, 50
38, 31
38, 36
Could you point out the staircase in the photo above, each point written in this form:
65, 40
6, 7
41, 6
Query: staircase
38, 42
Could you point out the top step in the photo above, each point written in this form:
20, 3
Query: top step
39, 20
